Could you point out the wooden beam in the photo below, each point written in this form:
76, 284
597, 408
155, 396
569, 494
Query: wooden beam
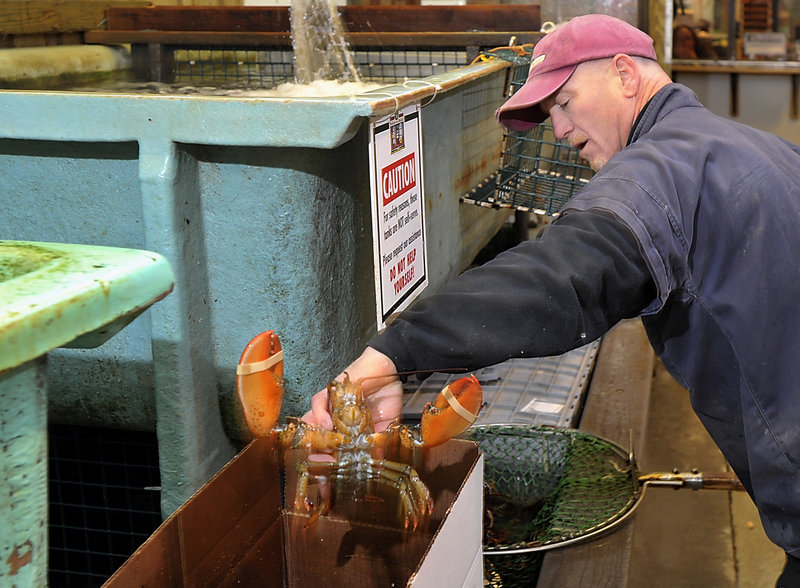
193, 18
281, 39
491, 17
25, 17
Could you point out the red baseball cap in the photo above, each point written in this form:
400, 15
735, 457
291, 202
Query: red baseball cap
557, 55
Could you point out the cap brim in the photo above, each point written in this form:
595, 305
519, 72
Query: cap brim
522, 111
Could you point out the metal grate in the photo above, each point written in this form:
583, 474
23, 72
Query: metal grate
233, 67
540, 391
267, 67
103, 498
400, 65
537, 172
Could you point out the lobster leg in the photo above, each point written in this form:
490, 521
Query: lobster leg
415, 498
297, 434
306, 469
416, 502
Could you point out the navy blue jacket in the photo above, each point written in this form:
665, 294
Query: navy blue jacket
695, 226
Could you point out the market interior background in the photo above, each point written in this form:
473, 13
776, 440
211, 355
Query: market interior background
138, 424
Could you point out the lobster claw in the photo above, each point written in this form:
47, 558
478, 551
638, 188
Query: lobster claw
456, 408
259, 383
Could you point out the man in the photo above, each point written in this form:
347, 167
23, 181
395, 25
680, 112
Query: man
692, 222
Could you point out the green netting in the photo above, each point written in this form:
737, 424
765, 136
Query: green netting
545, 487
507, 571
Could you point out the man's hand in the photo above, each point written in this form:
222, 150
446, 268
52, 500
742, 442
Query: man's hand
384, 395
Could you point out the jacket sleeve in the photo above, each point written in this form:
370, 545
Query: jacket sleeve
577, 279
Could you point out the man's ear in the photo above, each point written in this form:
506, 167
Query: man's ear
627, 70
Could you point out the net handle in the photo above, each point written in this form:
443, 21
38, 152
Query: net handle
694, 480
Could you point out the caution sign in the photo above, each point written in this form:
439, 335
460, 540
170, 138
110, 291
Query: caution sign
398, 218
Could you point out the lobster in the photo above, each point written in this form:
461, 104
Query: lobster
353, 441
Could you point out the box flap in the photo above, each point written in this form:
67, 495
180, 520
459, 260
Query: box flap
458, 542
229, 529
234, 532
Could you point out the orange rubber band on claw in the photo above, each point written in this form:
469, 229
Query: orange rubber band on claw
452, 411
457, 406
245, 369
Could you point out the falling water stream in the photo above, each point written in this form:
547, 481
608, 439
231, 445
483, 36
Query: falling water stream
320, 48
323, 62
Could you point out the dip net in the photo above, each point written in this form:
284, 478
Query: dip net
546, 487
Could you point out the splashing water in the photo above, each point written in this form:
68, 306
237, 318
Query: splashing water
318, 39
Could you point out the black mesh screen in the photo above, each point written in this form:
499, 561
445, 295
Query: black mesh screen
267, 67
104, 501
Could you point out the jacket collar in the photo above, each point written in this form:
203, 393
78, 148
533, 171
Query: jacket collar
667, 99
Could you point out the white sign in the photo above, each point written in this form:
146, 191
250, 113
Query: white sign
398, 211
765, 45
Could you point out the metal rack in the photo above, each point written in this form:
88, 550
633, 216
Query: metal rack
538, 173
103, 500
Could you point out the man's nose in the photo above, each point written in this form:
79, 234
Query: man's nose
561, 125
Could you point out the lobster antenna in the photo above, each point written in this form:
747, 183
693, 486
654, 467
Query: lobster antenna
445, 370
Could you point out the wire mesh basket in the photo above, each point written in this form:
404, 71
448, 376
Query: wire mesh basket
537, 172
546, 487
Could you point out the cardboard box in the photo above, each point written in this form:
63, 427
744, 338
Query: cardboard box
236, 530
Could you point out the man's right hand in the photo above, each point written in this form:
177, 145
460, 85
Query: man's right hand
384, 395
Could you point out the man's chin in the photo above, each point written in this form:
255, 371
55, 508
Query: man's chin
596, 163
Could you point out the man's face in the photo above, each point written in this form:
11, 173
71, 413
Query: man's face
590, 112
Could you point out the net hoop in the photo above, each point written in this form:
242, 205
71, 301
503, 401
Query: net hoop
579, 475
